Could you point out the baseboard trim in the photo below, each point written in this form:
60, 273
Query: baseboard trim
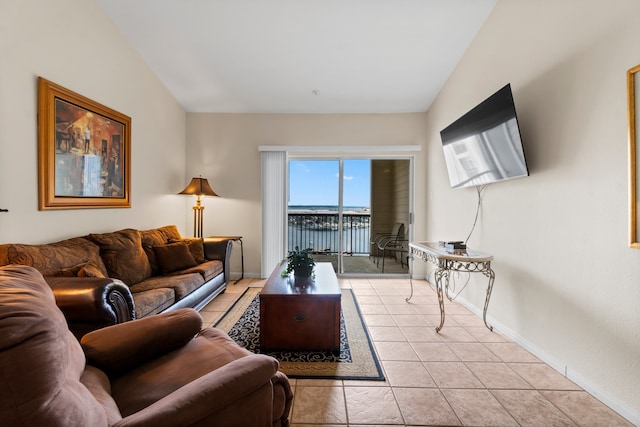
622, 409
235, 275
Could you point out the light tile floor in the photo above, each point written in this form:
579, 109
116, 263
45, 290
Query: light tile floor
465, 375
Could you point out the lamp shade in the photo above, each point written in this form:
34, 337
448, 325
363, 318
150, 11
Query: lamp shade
199, 187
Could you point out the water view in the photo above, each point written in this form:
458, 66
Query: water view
317, 228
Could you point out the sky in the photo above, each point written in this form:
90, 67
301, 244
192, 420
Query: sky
315, 182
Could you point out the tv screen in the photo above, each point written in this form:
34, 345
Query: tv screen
484, 146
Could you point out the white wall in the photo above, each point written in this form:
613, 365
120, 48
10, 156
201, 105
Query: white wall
566, 282
224, 149
74, 44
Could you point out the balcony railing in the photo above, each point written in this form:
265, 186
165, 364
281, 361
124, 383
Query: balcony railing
319, 232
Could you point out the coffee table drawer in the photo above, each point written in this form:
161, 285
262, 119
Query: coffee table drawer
299, 322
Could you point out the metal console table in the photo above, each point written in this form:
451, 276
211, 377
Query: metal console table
468, 261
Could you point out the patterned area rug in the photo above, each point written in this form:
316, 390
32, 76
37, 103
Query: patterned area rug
356, 359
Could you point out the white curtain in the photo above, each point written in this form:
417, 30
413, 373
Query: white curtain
274, 209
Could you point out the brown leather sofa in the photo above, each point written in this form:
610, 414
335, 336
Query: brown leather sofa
158, 371
109, 278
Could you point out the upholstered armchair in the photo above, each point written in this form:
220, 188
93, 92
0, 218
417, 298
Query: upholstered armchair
162, 370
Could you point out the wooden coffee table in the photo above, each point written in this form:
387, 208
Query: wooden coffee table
301, 318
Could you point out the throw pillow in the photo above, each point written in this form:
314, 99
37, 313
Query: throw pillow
90, 270
173, 257
123, 255
196, 247
86, 269
157, 237
70, 271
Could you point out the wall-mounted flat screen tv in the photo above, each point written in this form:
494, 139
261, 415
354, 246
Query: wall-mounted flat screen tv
484, 146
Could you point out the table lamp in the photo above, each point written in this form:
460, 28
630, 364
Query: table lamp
198, 187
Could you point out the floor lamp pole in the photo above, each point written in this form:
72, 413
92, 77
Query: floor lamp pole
197, 218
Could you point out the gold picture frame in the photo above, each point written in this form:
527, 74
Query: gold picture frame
633, 81
84, 151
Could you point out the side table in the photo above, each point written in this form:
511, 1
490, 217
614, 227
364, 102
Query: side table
234, 239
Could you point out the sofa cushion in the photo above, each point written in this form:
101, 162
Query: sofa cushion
208, 270
156, 237
123, 255
171, 232
151, 238
152, 301
40, 360
173, 257
182, 284
50, 258
98, 384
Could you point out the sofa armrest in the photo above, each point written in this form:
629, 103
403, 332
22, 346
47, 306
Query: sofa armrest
210, 399
123, 347
219, 250
92, 302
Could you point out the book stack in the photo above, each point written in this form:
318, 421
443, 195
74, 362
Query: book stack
457, 247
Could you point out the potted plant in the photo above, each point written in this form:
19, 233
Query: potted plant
300, 263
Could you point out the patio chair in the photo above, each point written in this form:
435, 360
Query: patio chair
379, 237
393, 242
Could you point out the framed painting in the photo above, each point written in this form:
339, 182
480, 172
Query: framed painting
84, 152
633, 83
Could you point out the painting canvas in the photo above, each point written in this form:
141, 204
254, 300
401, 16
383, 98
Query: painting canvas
83, 151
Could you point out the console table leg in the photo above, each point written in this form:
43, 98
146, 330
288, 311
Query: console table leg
441, 274
489, 273
411, 294
410, 279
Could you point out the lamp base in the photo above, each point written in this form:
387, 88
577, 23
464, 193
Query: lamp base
198, 211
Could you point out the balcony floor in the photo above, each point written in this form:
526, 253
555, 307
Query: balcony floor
363, 264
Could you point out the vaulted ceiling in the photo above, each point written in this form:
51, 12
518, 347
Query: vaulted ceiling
301, 56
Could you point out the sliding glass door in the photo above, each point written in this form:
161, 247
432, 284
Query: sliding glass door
332, 205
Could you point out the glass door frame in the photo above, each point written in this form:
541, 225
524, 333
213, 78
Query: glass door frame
340, 158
